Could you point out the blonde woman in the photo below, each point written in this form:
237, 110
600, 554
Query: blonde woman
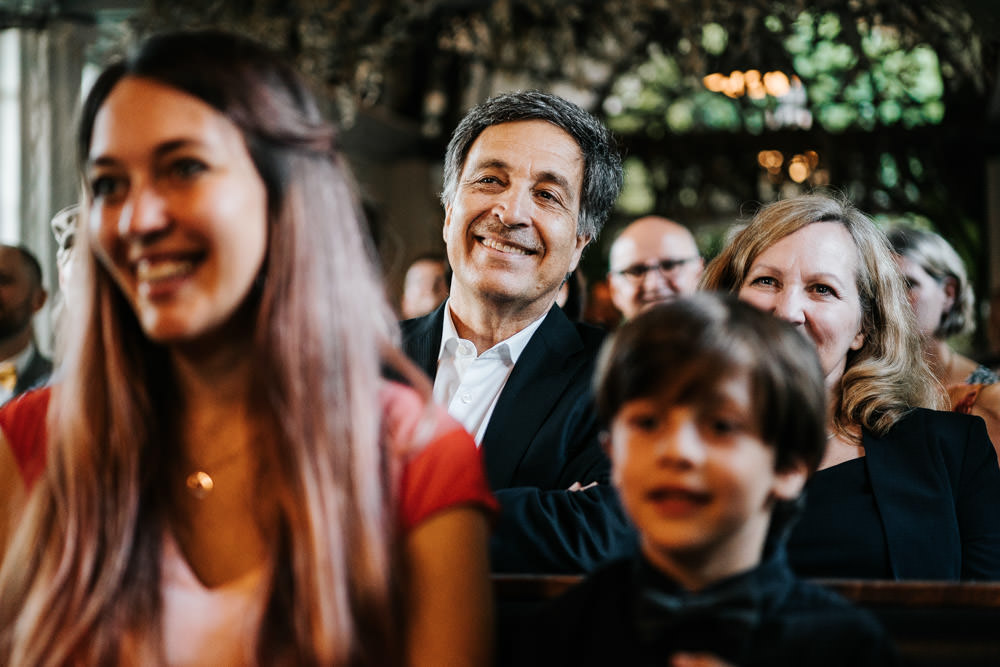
220, 475
903, 491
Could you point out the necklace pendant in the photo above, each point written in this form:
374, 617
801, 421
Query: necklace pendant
200, 484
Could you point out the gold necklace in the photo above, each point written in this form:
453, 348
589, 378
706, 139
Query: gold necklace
200, 483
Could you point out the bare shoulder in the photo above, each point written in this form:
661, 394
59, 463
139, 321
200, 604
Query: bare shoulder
987, 406
988, 402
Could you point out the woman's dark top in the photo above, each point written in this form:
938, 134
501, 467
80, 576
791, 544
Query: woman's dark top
932, 499
629, 613
840, 509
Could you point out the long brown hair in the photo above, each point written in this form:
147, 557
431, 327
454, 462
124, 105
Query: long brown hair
83, 568
888, 375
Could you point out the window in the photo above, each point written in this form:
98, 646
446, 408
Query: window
10, 136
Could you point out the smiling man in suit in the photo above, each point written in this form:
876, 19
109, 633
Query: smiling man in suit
529, 181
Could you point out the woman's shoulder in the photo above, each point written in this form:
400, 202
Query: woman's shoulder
959, 441
933, 422
23, 422
987, 400
31, 403
442, 467
22, 453
963, 397
411, 420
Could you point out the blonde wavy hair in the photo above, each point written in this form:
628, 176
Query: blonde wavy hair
888, 376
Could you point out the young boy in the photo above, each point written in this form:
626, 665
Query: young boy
716, 415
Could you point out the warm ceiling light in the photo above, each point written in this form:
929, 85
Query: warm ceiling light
750, 83
799, 169
770, 160
776, 84
714, 82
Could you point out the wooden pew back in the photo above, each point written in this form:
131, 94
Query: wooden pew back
932, 623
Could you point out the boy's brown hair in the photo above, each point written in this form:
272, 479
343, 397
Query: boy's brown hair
682, 349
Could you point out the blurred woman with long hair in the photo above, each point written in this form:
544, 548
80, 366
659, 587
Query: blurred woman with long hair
220, 475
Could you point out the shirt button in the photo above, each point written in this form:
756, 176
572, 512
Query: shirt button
467, 397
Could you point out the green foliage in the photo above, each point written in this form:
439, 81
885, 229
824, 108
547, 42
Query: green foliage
871, 82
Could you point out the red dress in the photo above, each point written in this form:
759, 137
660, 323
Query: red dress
219, 624
444, 472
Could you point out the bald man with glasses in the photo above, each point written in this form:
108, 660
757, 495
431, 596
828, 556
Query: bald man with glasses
652, 260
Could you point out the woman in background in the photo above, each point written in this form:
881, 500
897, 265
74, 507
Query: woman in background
943, 302
903, 492
221, 476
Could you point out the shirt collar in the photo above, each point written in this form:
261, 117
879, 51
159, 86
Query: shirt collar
22, 358
509, 350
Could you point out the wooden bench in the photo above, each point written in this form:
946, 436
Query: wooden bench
932, 623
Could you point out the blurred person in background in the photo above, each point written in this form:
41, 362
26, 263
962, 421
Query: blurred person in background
425, 285
943, 302
572, 296
652, 260
22, 295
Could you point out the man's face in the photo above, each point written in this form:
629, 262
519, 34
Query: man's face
651, 262
511, 227
20, 295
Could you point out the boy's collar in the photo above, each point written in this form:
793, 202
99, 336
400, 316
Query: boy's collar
735, 605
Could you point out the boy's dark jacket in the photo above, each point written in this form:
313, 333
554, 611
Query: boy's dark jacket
628, 613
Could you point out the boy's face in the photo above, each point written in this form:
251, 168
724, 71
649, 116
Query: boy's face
698, 481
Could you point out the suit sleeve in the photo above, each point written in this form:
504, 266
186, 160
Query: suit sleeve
554, 530
978, 497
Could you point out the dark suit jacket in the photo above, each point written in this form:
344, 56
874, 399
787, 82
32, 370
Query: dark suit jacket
779, 621
937, 487
35, 374
541, 438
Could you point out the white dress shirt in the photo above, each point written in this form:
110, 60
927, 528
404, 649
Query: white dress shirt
469, 385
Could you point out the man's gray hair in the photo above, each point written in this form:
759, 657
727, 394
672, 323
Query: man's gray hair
602, 164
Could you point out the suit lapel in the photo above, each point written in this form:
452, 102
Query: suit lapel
910, 491
535, 385
422, 339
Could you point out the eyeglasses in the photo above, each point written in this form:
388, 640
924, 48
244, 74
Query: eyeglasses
637, 272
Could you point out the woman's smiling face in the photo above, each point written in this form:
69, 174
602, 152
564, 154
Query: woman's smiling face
809, 278
178, 211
